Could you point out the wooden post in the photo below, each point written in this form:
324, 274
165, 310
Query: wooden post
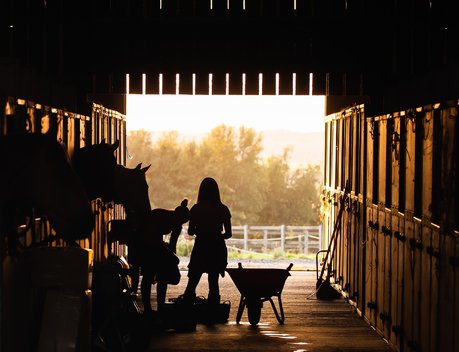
246, 237
282, 229
265, 239
306, 241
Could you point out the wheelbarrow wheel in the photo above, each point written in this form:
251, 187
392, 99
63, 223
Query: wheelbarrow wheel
254, 311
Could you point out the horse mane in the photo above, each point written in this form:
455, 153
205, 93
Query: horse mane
37, 173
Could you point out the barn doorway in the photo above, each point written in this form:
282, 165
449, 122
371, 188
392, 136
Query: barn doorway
265, 148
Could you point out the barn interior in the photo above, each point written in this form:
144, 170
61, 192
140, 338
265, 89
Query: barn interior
390, 74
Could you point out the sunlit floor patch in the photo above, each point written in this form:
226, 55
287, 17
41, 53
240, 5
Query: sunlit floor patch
259, 325
274, 333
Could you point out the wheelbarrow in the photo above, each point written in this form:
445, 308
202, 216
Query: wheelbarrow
258, 285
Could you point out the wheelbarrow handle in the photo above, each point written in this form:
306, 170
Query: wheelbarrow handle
290, 267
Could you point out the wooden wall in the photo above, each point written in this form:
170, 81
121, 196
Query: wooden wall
397, 253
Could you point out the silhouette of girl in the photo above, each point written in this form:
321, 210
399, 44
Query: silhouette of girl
210, 222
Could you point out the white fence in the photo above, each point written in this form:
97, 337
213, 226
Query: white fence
261, 239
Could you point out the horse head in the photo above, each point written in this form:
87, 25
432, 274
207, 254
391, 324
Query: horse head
131, 190
96, 164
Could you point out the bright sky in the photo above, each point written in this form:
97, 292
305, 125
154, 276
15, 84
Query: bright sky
201, 113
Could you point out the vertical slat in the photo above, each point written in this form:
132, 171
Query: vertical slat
426, 288
394, 227
408, 285
409, 231
398, 326
447, 240
380, 270
426, 233
446, 293
381, 240
354, 263
417, 282
455, 270
434, 287
373, 258
388, 273
370, 221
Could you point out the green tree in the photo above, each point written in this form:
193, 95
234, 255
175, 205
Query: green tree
263, 192
276, 206
304, 196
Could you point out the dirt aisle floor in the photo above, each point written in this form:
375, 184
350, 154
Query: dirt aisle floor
310, 325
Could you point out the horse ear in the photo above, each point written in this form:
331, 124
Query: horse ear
103, 141
115, 145
138, 166
145, 169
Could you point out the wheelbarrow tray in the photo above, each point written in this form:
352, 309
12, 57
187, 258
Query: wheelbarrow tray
256, 286
259, 282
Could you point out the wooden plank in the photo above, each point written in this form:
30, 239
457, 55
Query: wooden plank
446, 291
380, 272
455, 270
388, 272
408, 295
370, 274
425, 288
417, 283
399, 320
357, 264
360, 263
434, 289
353, 250
381, 242
447, 241
424, 238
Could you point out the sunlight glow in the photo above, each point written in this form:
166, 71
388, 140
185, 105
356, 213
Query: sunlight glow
201, 113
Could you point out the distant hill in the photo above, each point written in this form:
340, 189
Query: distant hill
307, 148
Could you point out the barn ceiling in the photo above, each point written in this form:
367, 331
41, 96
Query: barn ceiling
93, 44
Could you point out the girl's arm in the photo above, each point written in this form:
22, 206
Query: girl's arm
228, 230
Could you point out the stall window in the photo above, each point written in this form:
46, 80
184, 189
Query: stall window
338, 158
351, 152
326, 154
344, 153
402, 166
358, 142
418, 165
389, 148
330, 152
436, 166
375, 135
456, 176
